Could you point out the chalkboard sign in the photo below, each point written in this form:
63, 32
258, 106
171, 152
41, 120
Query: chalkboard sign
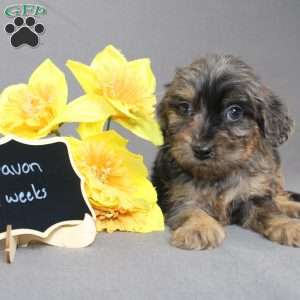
40, 189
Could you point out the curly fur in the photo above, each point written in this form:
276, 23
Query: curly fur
241, 182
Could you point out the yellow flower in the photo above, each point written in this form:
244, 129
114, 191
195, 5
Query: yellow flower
36, 109
116, 184
127, 86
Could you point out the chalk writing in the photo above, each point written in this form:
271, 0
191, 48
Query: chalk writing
20, 169
27, 196
33, 193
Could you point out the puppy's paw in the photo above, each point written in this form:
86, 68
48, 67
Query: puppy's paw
200, 237
289, 204
286, 233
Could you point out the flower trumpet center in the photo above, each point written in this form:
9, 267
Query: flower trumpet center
33, 106
127, 91
102, 174
104, 215
36, 112
109, 214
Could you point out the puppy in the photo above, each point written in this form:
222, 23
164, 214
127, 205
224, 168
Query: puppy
219, 164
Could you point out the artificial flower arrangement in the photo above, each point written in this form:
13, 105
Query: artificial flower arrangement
116, 180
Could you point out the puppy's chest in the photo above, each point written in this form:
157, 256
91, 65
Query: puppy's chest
217, 197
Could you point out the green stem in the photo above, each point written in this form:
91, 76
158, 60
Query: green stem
56, 132
108, 122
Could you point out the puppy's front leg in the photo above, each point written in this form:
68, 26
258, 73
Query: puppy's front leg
289, 204
195, 229
263, 216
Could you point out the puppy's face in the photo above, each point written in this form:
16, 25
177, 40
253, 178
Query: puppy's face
216, 115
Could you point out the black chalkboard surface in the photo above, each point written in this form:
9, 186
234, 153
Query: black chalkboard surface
39, 188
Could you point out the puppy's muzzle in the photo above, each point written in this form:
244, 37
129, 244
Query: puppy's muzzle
203, 152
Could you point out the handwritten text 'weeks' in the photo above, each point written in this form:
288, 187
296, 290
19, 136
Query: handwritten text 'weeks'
32, 192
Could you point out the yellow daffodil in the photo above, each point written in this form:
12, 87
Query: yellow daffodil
116, 184
36, 109
126, 86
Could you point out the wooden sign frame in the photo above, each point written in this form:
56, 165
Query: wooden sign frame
70, 234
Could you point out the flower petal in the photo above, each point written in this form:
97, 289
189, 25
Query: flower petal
23, 115
73, 143
49, 83
11, 117
90, 129
85, 75
109, 56
141, 68
111, 138
141, 221
87, 108
145, 128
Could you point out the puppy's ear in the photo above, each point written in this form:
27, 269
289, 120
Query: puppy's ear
161, 111
277, 124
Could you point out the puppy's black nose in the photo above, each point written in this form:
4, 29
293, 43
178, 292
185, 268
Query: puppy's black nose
202, 152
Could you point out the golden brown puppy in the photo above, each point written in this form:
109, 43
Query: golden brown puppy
219, 164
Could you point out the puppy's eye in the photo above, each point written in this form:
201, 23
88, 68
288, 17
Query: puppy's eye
233, 113
184, 108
